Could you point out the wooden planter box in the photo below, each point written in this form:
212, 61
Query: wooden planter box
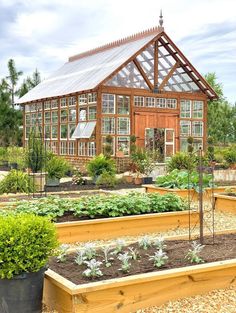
107, 228
184, 193
129, 294
225, 203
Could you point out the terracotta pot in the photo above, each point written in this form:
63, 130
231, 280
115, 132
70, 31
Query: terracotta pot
120, 154
138, 180
129, 179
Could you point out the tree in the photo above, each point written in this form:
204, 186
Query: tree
13, 79
29, 83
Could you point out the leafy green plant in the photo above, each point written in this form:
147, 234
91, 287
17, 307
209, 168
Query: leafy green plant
16, 181
181, 161
35, 154
99, 165
16, 155
134, 253
119, 245
106, 179
107, 259
93, 269
125, 264
159, 258
62, 253
89, 250
77, 178
193, 253
183, 180
160, 243
3, 154
57, 167
80, 258
145, 242
26, 243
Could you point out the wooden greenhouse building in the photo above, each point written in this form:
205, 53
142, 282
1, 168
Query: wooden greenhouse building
141, 85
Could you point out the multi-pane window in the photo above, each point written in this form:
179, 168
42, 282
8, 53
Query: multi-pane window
92, 97
54, 103
197, 129
183, 144
185, 108
108, 104
82, 114
185, 128
47, 117
71, 101
108, 125
72, 115
123, 145
123, 126
27, 108
150, 102
171, 103
64, 131
92, 113
39, 118
47, 105
27, 119
54, 147
197, 143
63, 102
82, 149
54, 117
91, 148
64, 114
104, 143
139, 101
82, 99
63, 147
197, 109
54, 131
33, 118
71, 148
71, 129
160, 103
47, 131
48, 145
123, 103
27, 131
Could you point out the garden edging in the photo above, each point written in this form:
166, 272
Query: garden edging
225, 203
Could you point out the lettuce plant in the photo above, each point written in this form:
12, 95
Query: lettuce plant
93, 269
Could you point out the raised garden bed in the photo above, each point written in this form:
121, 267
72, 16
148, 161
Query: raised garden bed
226, 202
144, 285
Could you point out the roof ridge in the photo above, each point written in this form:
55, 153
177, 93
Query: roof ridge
116, 43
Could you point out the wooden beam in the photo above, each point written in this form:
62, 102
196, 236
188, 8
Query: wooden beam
168, 76
156, 64
140, 69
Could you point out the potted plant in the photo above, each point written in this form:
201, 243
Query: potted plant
56, 168
26, 243
99, 165
138, 179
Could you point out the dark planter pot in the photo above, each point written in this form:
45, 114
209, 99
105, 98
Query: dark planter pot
22, 294
53, 182
14, 166
147, 180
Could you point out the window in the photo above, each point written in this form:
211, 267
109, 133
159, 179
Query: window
48, 145
33, 118
39, 118
197, 109
197, 129
185, 128
54, 147
82, 114
27, 131
47, 105
72, 115
54, 132
185, 108
27, 119
139, 101
92, 113
27, 108
183, 144
54, 103
82, 149
171, 103
104, 143
150, 102
63, 116
54, 117
123, 126
123, 145
47, 131
38, 106
63, 147
71, 148
47, 117
108, 125
64, 131
71, 129
63, 102
123, 105
108, 104
92, 97
197, 143
33, 107
71, 101
160, 102
91, 149
82, 99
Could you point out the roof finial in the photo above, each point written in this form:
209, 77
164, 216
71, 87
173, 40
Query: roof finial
161, 19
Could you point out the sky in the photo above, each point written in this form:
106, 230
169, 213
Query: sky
42, 34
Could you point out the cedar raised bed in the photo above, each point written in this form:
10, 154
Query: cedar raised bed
130, 293
225, 203
107, 228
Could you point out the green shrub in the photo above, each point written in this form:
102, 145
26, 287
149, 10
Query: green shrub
181, 161
16, 181
100, 164
16, 155
57, 167
106, 180
183, 180
35, 155
230, 156
3, 154
26, 243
